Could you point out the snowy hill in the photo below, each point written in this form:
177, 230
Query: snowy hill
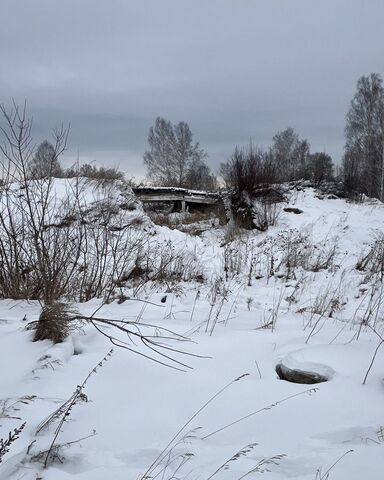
308, 292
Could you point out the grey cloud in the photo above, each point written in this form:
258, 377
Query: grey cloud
234, 70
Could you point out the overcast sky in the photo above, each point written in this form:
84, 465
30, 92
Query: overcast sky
233, 69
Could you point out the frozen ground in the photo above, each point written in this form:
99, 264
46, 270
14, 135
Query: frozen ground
135, 407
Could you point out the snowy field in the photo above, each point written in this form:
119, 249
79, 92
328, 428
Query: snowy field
236, 326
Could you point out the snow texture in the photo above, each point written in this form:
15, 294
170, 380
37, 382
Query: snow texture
136, 406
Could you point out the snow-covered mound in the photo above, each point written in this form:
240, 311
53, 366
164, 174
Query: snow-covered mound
89, 195
297, 370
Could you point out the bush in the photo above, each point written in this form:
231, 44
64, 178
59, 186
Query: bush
258, 211
250, 174
95, 173
266, 213
54, 323
373, 260
320, 167
248, 168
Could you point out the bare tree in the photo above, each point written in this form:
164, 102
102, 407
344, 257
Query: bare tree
248, 168
320, 167
290, 155
159, 158
172, 153
27, 245
55, 245
45, 162
363, 160
199, 176
250, 173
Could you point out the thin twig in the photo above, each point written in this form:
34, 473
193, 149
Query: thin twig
268, 407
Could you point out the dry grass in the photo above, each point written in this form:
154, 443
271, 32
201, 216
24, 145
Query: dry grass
54, 323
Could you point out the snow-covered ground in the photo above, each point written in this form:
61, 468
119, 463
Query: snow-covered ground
238, 324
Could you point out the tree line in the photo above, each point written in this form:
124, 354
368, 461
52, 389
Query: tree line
45, 163
363, 161
175, 159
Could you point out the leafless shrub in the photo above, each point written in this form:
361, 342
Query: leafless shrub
70, 244
250, 173
327, 302
242, 257
253, 263
30, 251
296, 249
55, 322
372, 261
322, 255
245, 258
109, 251
232, 232
269, 255
297, 290
251, 212
271, 320
373, 307
242, 211
281, 255
194, 223
218, 294
234, 258
266, 213
165, 263
248, 168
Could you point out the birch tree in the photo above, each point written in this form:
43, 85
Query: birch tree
363, 160
172, 154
